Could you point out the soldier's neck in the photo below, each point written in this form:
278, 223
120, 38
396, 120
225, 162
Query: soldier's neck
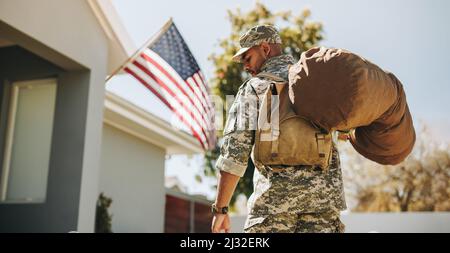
278, 65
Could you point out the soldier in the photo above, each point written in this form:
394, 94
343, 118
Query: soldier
285, 199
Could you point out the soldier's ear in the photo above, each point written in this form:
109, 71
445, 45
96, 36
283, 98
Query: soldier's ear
266, 48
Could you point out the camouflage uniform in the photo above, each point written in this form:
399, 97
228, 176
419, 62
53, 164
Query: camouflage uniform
290, 199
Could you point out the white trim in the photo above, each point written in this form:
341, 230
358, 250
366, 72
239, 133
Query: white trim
110, 21
133, 120
9, 140
127, 130
120, 44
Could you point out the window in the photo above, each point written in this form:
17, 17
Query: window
27, 142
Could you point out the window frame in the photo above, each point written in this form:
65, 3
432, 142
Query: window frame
11, 94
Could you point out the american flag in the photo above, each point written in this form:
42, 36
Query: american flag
169, 70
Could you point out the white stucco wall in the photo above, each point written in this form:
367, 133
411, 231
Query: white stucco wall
69, 27
132, 174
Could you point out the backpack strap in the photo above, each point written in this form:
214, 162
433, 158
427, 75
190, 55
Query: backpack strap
275, 128
320, 137
277, 83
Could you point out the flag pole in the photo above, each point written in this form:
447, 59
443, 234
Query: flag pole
147, 44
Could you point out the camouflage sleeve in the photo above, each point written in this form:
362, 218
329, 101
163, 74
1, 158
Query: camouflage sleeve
239, 133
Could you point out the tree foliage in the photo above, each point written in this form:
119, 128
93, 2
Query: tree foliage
298, 34
420, 183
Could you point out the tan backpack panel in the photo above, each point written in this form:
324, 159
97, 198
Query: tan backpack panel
294, 141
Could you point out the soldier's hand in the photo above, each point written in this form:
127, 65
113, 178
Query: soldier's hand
221, 222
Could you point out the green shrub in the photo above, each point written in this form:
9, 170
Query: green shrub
102, 217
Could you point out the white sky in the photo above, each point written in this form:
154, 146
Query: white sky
409, 38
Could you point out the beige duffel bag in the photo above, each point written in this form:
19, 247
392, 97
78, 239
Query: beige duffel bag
291, 140
339, 90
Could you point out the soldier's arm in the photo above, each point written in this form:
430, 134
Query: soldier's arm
232, 164
235, 151
225, 189
237, 144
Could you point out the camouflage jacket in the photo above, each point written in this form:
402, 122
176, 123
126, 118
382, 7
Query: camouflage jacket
298, 189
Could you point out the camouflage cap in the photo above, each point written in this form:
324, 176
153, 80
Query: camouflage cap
255, 36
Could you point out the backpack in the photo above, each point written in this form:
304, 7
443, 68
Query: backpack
284, 138
333, 89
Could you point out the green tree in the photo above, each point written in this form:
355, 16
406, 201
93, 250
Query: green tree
298, 35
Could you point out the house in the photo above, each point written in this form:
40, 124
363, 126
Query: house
186, 213
133, 152
63, 138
